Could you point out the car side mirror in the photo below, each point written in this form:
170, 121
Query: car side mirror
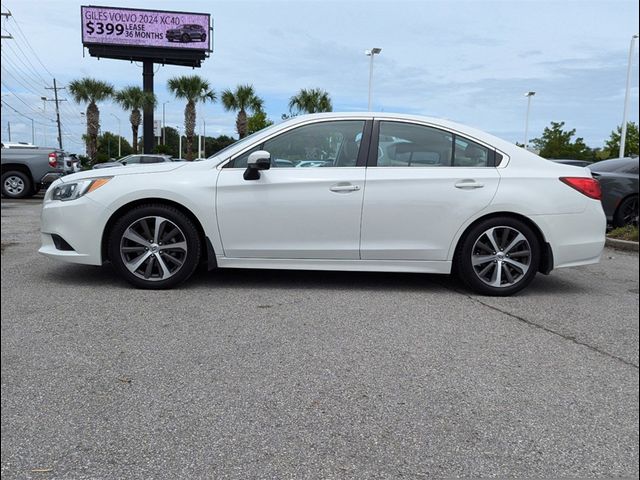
260, 160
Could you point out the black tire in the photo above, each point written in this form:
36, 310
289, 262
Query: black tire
16, 184
482, 267
125, 253
627, 212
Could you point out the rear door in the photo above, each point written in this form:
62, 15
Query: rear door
423, 184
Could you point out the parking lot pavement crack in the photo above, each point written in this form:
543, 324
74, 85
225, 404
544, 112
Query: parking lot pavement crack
551, 331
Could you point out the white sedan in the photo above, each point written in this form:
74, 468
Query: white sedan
378, 192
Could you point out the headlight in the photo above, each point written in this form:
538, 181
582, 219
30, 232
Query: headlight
73, 190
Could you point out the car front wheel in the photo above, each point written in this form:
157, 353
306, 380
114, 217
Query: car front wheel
155, 246
498, 256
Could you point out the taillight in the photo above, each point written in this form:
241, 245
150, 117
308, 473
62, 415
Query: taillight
587, 186
53, 159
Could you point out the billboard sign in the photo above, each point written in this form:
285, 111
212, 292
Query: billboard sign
128, 27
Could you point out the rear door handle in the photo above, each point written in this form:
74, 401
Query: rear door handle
469, 184
344, 187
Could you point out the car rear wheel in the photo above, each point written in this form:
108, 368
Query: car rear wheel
498, 256
155, 247
627, 212
16, 185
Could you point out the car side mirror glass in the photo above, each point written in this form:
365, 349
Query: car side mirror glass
260, 160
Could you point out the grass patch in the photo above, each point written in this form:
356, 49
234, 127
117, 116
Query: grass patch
630, 233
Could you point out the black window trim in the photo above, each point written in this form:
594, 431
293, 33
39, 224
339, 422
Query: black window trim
363, 151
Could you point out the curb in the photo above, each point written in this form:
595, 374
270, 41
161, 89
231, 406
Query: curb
622, 244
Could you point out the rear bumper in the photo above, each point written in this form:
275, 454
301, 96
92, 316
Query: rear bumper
575, 239
50, 177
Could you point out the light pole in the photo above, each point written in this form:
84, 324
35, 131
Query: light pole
119, 136
526, 121
164, 127
371, 53
204, 140
623, 133
179, 141
44, 111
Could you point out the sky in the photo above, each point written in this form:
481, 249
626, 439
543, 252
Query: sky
468, 61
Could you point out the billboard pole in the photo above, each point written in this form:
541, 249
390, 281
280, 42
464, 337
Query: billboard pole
147, 122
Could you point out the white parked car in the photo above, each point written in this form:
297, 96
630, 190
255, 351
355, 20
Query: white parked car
439, 198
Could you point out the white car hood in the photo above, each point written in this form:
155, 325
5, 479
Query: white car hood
124, 170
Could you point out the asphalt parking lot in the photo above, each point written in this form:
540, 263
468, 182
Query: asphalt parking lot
258, 374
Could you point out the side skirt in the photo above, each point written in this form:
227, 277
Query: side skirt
443, 267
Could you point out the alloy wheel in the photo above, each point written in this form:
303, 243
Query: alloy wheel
153, 248
630, 212
501, 256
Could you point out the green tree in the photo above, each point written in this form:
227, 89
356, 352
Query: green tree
313, 100
632, 141
135, 99
193, 89
91, 91
108, 147
215, 144
240, 100
556, 143
257, 122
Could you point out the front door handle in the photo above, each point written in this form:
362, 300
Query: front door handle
344, 187
469, 184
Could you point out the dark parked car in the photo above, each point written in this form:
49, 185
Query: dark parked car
619, 182
575, 163
187, 33
135, 160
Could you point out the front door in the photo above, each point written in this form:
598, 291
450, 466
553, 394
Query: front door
307, 205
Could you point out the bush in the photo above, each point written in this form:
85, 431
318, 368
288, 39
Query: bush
630, 233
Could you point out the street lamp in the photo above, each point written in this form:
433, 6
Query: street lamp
623, 133
179, 141
526, 121
119, 136
164, 127
371, 53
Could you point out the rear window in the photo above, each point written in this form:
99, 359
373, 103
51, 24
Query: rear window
622, 165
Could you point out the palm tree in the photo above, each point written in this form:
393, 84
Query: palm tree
313, 100
194, 89
242, 99
90, 91
135, 99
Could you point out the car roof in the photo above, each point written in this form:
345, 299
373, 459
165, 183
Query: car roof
503, 146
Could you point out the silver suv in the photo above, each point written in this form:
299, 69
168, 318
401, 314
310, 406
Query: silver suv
136, 159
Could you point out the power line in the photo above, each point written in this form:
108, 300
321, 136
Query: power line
6, 58
24, 55
29, 45
23, 102
23, 115
25, 86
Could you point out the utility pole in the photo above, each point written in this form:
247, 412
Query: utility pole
55, 92
6, 15
9, 130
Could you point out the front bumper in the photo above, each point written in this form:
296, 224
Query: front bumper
79, 223
50, 177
